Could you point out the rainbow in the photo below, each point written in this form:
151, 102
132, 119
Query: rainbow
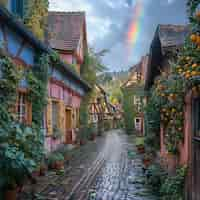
134, 27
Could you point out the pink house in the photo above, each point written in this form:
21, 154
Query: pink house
167, 41
68, 36
65, 90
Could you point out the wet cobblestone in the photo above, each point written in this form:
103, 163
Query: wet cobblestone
122, 178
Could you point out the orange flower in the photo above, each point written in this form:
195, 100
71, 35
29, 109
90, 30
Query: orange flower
194, 73
198, 15
193, 38
194, 65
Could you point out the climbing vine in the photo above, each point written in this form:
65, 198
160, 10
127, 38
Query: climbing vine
171, 88
36, 17
21, 146
128, 107
37, 79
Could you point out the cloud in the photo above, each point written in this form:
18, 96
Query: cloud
170, 1
108, 22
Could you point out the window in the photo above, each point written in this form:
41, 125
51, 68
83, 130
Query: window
138, 103
17, 7
24, 112
74, 60
55, 114
139, 76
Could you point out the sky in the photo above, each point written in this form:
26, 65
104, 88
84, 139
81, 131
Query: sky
109, 23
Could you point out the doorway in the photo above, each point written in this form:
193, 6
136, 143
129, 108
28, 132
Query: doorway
196, 150
68, 125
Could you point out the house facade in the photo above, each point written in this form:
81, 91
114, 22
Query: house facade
167, 42
101, 112
68, 38
135, 87
65, 87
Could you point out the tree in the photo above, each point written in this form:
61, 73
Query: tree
36, 17
90, 69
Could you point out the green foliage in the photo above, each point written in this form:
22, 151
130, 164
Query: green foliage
54, 157
21, 147
168, 186
8, 83
36, 17
155, 177
57, 133
89, 71
173, 186
38, 79
128, 109
152, 124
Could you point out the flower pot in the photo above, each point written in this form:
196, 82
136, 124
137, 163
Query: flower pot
52, 166
146, 162
11, 194
141, 149
43, 171
59, 165
36, 173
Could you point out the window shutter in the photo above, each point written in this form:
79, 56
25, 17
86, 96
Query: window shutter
29, 113
61, 116
49, 118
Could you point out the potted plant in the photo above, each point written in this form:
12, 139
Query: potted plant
15, 169
57, 133
147, 160
92, 132
59, 161
66, 153
140, 144
52, 158
43, 168
36, 171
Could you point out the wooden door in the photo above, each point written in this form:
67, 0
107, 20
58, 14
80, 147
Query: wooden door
195, 187
68, 125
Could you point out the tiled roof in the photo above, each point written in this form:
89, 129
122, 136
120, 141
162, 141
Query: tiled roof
172, 35
65, 29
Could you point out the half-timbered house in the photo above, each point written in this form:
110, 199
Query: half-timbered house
67, 36
65, 86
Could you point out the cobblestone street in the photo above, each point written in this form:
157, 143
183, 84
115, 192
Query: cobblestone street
121, 178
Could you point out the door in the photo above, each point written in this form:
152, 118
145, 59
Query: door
196, 150
68, 126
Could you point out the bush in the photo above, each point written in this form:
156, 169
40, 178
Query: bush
155, 176
54, 157
173, 186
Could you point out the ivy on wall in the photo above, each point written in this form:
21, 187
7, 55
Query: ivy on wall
128, 108
21, 146
36, 17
